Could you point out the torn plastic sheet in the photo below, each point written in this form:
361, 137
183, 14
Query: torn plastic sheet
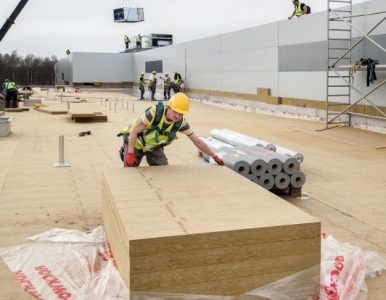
66, 264
69, 264
342, 273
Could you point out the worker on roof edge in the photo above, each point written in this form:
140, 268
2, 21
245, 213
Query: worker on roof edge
157, 128
299, 9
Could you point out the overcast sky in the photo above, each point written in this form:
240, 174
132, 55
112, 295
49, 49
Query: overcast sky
49, 27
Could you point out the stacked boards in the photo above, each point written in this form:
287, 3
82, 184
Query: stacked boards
202, 230
86, 112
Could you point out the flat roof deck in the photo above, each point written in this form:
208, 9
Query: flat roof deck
345, 172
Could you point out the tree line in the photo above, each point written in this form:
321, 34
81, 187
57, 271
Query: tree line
27, 70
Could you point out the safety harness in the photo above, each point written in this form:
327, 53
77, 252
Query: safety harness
158, 128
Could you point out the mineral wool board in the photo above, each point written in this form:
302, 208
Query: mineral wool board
202, 230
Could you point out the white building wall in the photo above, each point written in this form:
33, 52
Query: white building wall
102, 67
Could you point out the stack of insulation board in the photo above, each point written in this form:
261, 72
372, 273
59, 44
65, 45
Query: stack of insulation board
202, 230
86, 112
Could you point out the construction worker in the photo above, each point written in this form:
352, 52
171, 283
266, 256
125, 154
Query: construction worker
153, 85
10, 89
127, 41
176, 82
138, 41
299, 9
157, 128
167, 87
142, 85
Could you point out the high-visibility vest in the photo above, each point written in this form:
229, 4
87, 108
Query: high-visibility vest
10, 86
126, 38
154, 136
298, 9
141, 81
166, 82
138, 38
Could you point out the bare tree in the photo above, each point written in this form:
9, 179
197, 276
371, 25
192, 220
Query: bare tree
28, 70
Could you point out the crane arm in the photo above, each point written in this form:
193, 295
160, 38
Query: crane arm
11, 20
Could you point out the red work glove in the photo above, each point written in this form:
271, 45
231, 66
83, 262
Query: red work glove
131, 160
218, 160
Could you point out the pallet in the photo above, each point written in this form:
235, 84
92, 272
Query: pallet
289, 191
19, 109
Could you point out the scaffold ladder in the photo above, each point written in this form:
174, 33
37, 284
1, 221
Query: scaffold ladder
339, 45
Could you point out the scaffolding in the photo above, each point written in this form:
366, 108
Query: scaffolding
340, 85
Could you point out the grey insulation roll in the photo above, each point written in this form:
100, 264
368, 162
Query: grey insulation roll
298, 179
259, 167
282, 181
252, 177
290, 164
266, 181
274, 166
238, 162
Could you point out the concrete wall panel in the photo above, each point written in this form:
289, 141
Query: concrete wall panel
265, 36
306, 29
102, 67
303, 85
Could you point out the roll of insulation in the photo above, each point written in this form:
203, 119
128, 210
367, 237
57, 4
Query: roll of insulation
282, 181
298, 179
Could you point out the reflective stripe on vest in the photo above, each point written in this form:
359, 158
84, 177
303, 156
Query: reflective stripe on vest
10, 86
155, 138
298, 9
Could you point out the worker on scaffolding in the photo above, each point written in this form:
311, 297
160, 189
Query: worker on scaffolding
167, 86
300, 9
10, 90
153, 85
142, 85
127, 41
157, 128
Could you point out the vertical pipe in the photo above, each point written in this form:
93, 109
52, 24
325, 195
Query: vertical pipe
61, 149
133, 107
115, 107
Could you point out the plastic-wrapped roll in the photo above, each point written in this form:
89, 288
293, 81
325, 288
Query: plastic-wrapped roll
238, 139
242, 138
290, 164
238, 162
282, 181
298, 179
298, 156
266, 181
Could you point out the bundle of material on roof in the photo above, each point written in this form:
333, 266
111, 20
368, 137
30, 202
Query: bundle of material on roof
216, 235
257, 160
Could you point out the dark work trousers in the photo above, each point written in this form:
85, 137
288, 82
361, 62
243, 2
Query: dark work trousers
153, 158
11, 99
152, 90
371, 75
167, 92
142, 89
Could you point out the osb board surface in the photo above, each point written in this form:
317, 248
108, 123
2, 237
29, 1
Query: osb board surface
220, 208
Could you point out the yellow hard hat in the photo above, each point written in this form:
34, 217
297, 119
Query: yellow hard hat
154, 72
174, 71
179, 103
166, 74
142, 73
